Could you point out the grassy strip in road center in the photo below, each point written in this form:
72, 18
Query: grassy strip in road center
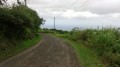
19, 48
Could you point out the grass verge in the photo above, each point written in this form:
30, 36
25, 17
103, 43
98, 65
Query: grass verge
19, 48
86, 57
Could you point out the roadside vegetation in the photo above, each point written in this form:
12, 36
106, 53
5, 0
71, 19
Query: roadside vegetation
23, 45
86, 57
18, 29
105, 43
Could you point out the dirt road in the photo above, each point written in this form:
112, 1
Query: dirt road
50, 52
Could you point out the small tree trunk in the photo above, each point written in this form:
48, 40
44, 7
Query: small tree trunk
25, 2
18, 2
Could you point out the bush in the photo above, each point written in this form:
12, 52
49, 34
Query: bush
17, 23
105, 42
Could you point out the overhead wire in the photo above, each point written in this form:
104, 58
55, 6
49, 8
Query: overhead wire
85, 3
81, 6
73, 4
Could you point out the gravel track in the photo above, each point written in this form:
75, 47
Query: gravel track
49, 52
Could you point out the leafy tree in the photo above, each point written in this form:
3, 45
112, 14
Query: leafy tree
19, 22
2, 2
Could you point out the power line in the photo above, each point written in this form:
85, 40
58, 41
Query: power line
62, 13
76, 1
81, 6
84, 3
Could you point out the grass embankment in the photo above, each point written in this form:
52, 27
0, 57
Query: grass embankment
19, 48
86, 57
105, 43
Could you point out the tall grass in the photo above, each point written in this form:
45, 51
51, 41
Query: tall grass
105, 42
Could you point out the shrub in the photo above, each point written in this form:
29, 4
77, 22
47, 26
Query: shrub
105, 42
17, 23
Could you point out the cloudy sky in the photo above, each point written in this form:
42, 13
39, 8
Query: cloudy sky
78, 13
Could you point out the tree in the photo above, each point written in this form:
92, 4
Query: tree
19, 22
25, 2
2, 2
18, 2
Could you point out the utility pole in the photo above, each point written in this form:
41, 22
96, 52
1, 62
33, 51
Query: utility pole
54, 23
25, 2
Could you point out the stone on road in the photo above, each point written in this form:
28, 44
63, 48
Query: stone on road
50, 52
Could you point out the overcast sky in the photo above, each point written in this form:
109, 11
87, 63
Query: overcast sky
78, 13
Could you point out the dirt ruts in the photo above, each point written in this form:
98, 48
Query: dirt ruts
49, 52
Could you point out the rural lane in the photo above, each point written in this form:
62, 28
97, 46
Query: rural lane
49, 52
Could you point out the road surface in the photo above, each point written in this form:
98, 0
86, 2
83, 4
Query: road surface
50, 52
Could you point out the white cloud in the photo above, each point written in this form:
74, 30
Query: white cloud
73, 14
115, 15
103, 6
92, 9
98, 11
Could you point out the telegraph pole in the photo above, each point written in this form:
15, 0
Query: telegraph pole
25, 2
54, 23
